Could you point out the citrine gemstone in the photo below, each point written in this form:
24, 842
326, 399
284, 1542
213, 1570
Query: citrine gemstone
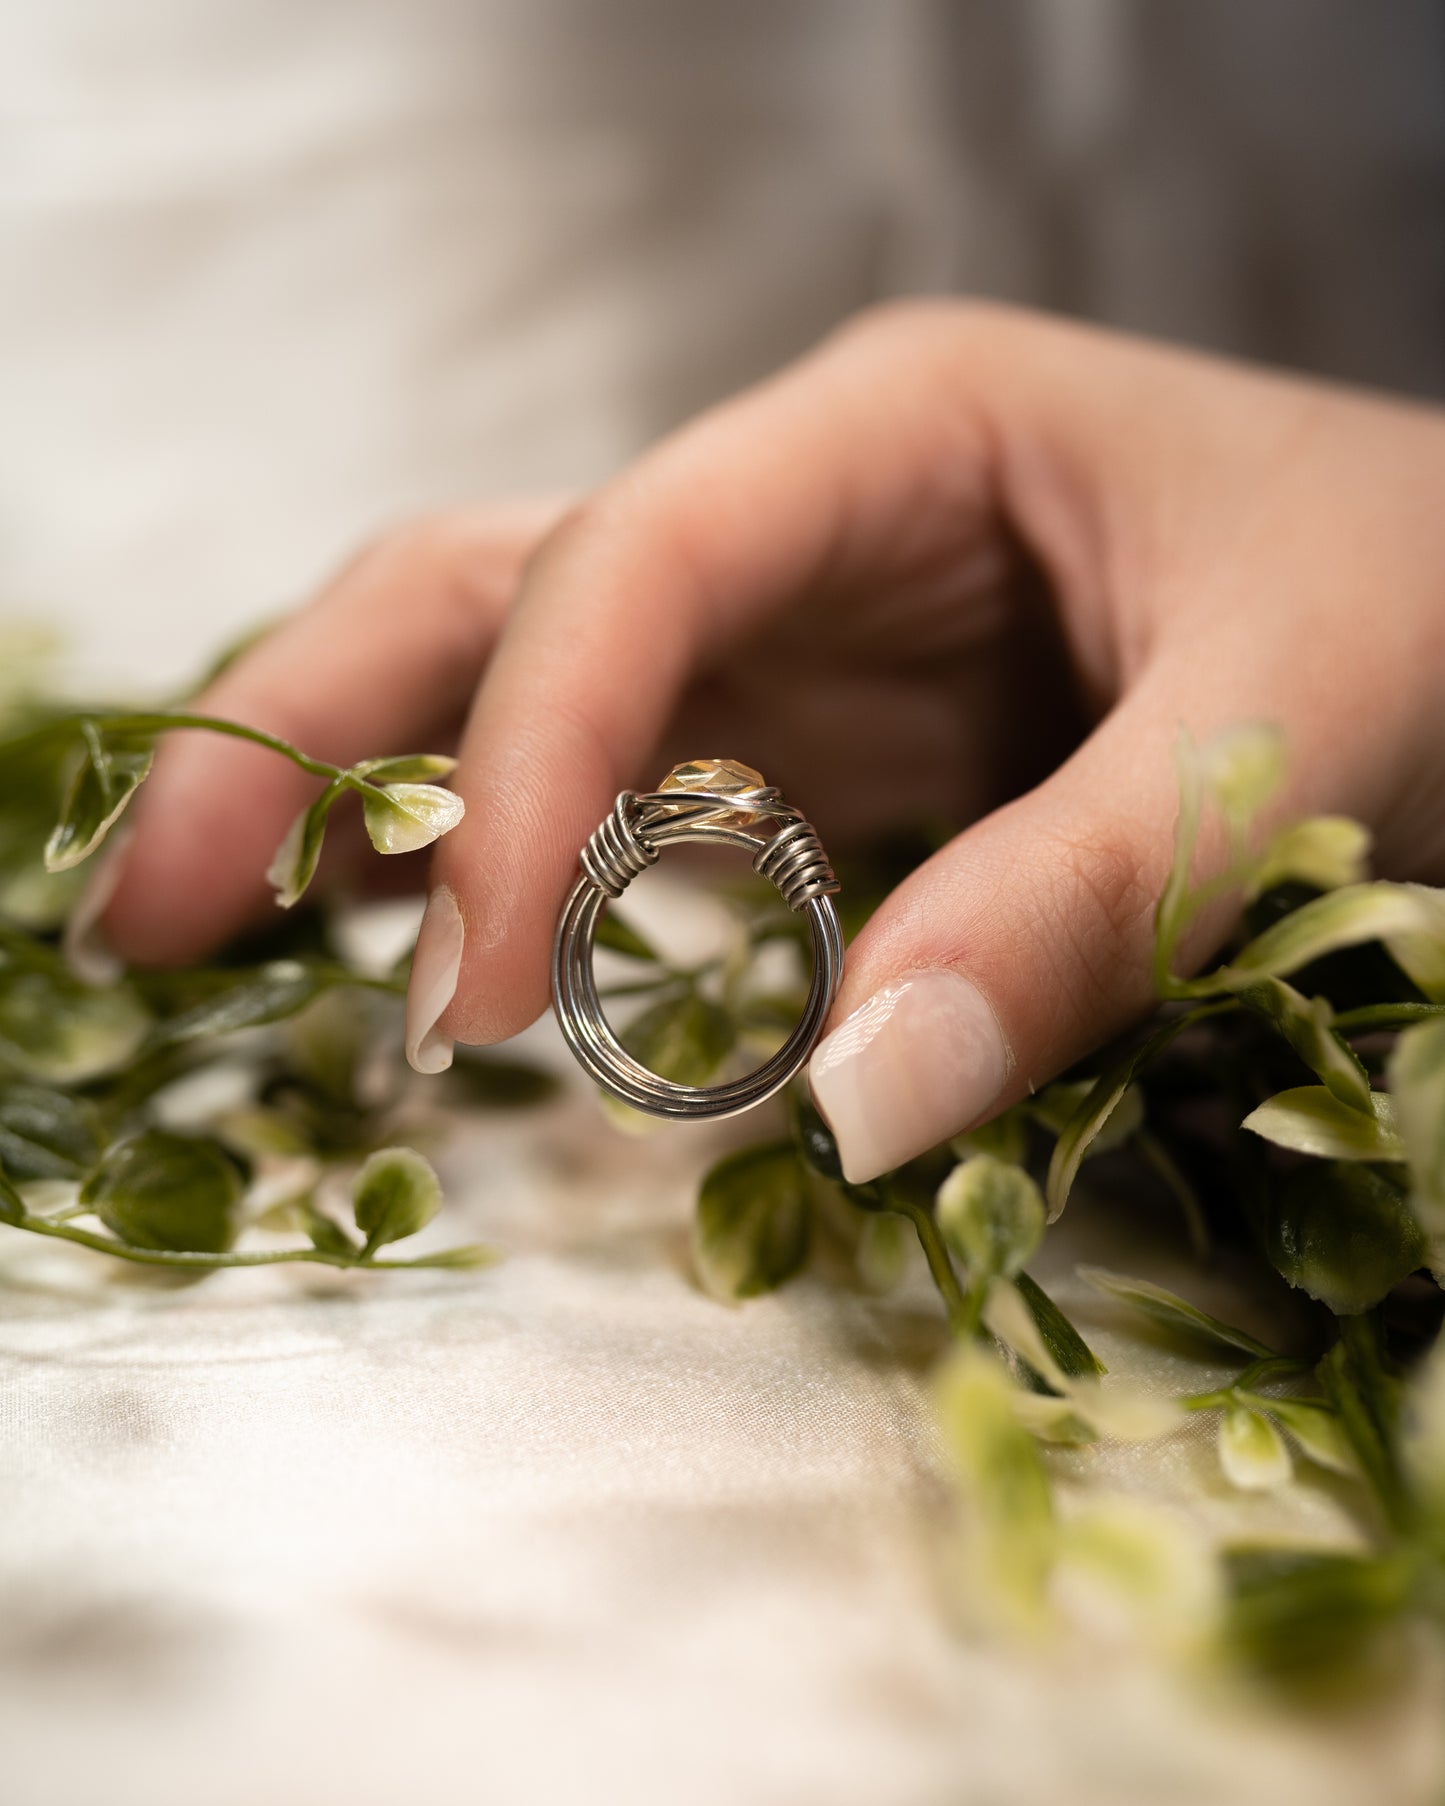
718, 777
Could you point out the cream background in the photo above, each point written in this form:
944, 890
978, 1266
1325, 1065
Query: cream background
274, 274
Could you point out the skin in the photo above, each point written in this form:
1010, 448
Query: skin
960, 561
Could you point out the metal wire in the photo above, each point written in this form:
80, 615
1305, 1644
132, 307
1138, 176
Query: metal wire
614, 855
786, 850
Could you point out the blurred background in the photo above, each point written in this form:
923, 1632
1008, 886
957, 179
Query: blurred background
274, 273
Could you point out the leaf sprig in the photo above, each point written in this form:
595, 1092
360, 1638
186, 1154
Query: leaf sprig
1335, 1187
403, 805
1320, 1038
89, 1072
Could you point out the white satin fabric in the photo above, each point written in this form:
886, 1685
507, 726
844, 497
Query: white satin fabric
270, 276
569, 1529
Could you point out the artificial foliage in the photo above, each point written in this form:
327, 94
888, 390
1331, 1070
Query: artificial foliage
98, 1144
1288, 1103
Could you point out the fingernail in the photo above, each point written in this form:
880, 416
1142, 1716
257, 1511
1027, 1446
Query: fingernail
87, 952
434, 969
921, 1060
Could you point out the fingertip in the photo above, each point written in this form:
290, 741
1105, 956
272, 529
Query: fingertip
923, 1058
533, 793
435, 968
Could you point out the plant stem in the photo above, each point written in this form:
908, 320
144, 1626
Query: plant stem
1384, 1015
1159, 1157
163, 721
194, 1262
964, 1309
1268, 1367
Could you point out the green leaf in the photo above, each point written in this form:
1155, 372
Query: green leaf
320, 1230
57, 1031
110, 770
12, 1205
1310, 1621
816, 1141
1008, 1317
991, 1215
1344, 918
247, 998
1306, 1024
395, 1194
1004, 1136
1243, 767
1076, 1360
1127, 1413
410, 768
618, 936
256, 1133
1057, 1105
160, 1190
1100, 1102
881, 1256
1051, 1418
684, 1039
1314, 1427
1344, 1234
327, 1044
1173, 1313
1324, 851
405, 817
753, 1221
466, 1259
1251, 1450
1174, 907
46, 1134
295, 861
1365, 1395
1151, 1564
1011, 1537
489, 1082
1311, 1120
1419, 952
1423, 1445
1417, 1084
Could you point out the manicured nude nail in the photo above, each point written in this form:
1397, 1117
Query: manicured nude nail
87, 952
921, 1060
434, 969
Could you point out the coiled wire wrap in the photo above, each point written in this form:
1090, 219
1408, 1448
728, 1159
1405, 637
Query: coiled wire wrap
795, 861
614, 855
623, 845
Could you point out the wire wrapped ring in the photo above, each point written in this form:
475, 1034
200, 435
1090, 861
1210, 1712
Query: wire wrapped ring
710, 801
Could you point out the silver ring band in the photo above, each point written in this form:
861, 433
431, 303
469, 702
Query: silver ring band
733, 810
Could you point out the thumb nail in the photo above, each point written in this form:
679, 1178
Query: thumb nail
435, 967
921, 1060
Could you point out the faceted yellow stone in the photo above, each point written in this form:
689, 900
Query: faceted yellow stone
718, 777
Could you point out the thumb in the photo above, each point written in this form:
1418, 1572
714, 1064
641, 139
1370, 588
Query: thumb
1020, 946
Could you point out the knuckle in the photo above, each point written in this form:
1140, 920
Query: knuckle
913, 323
432, 560
573, 537
426, 544
898, 319
393, 563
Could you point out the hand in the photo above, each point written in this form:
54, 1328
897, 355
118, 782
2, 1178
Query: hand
959, 561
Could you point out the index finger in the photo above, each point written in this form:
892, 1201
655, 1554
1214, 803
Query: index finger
861, 465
